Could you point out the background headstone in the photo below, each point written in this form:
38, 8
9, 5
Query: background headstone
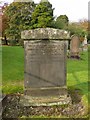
85, 44
74, 47
45, 66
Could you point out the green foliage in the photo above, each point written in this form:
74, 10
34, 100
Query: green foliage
42, 15
19, 18
12, 42
15, 88
61, 22
74, 28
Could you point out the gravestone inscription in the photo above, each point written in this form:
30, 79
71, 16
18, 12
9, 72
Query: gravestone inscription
45, 64
45, 67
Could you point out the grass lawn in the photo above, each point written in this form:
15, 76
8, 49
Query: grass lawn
13, 71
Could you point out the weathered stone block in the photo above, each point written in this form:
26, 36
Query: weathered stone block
45, 66
45, 33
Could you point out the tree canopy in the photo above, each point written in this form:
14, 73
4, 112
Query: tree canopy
19, 18
61, 22
75, 28
42, 15
25, 14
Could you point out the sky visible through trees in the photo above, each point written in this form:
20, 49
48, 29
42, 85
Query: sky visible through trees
74, 9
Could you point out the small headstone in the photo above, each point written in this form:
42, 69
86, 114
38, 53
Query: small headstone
45, 67
85, 44
74, 47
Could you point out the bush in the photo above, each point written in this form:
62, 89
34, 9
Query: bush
21, 43
12, 42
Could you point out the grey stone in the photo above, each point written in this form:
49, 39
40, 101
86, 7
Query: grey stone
45, 66
74, 46
85, 44
67, 44
45, 33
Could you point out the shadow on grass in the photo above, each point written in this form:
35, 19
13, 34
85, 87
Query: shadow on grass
77, 91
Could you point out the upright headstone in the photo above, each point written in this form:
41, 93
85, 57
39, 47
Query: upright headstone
85, 44
45, 67
74, 47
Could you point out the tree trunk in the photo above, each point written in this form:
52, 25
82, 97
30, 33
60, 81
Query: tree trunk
5, 38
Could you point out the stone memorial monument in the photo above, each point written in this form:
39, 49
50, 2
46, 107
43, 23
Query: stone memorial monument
45, 67
74, 47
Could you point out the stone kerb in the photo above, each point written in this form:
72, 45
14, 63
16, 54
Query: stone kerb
45, 33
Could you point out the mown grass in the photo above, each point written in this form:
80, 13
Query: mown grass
13, 71
77, 73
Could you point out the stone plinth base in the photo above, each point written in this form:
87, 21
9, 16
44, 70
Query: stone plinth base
45, 97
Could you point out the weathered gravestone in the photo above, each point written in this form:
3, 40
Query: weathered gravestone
45, 67
74, 47
85, 44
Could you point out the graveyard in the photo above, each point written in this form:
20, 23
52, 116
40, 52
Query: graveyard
13, 85
44, 62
